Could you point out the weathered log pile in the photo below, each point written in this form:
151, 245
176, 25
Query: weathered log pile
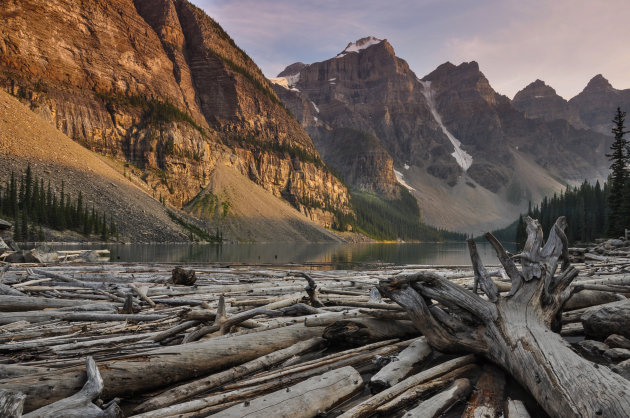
132, 340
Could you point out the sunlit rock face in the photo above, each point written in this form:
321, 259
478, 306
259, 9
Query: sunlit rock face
159, 84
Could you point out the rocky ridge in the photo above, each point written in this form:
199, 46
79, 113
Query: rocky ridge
160, 85
592, 108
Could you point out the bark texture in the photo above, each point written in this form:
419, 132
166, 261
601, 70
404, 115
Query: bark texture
517, 331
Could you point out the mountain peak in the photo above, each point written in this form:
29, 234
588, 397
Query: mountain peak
598, 83
359, 45
536, 90
292, 69
448, 70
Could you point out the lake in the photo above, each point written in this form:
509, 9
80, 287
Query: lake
341, 256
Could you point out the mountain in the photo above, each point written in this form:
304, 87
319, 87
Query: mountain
468, 155
538, 100
597, 103
592, 109
159, 85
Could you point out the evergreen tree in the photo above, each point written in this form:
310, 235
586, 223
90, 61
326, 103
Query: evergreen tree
28, 187
13, 197
31, 205
24, 228
618, 176
17, 231
624, 219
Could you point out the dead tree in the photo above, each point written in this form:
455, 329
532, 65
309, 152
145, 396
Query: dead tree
516, 331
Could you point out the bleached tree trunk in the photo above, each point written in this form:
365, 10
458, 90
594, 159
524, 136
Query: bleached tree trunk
517, 331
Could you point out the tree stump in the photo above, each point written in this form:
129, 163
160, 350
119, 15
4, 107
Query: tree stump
183, 277
517, 331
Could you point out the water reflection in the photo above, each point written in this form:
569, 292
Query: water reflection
338, 255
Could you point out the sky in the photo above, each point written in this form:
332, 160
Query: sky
562, 42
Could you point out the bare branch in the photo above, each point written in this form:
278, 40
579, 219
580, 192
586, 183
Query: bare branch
310, 290
507, 262
444, 291
419, 312
481, 274
530, 256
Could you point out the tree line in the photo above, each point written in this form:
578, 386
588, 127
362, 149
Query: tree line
592, 211
584, 207
33, 205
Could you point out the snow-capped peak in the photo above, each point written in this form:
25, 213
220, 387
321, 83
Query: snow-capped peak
359, 45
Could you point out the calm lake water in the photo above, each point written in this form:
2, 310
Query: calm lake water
338, 255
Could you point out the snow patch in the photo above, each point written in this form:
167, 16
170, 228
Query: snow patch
288, 82
332, 79
464, 159
315, 106
406, 166
538, 97
401, 180
359, 45
295, 90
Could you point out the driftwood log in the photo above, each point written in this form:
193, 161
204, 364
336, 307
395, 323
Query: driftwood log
159, 367
305, 399
11, 403
80, 404
516, 331
443, 401
401, 365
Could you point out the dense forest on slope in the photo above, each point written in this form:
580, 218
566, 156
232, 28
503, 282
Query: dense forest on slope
33, 205
583, 206
395, 219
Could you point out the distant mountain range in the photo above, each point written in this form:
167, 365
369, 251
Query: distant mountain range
472, 157
591, 109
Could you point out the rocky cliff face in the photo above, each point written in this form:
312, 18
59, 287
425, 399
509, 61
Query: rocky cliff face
538, 100
160, 85
449, 135
368, 89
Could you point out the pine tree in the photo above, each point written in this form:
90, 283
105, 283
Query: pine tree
17, 232
13, 197
25, 231
618, 176
28, 187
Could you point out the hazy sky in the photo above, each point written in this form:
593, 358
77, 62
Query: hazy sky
563, 42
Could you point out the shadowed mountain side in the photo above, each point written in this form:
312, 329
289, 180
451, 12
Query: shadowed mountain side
473, 209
